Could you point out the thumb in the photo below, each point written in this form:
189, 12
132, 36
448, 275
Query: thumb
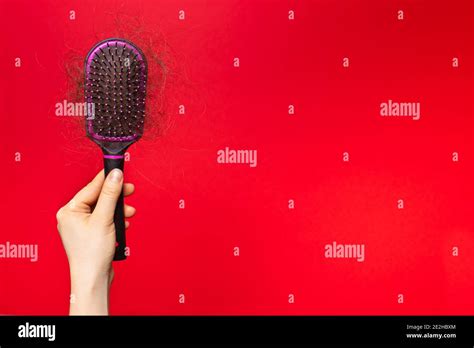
109, 195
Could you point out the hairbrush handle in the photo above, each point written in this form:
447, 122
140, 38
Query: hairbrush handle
112, 162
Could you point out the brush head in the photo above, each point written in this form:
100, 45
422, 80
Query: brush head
115, 91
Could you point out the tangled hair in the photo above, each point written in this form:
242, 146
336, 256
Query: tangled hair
161, 68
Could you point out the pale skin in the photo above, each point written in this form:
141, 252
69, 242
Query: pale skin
87, 231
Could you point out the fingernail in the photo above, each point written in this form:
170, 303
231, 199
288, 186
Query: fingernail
116, 175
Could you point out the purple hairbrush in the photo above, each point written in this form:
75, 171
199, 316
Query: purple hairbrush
115, 91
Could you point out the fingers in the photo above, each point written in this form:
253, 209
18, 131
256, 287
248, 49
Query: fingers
109, 195
129, 211
88, 196
128, 189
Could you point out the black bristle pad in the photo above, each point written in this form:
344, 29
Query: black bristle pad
116, 85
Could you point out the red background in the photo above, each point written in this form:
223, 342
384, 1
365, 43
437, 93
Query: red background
282, 62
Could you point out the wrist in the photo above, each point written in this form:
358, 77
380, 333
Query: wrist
90, 293
89, 275
89, 285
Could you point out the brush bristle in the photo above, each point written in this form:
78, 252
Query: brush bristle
116, 85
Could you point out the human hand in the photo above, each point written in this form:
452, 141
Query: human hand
86, 227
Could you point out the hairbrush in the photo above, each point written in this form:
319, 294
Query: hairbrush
115, 91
